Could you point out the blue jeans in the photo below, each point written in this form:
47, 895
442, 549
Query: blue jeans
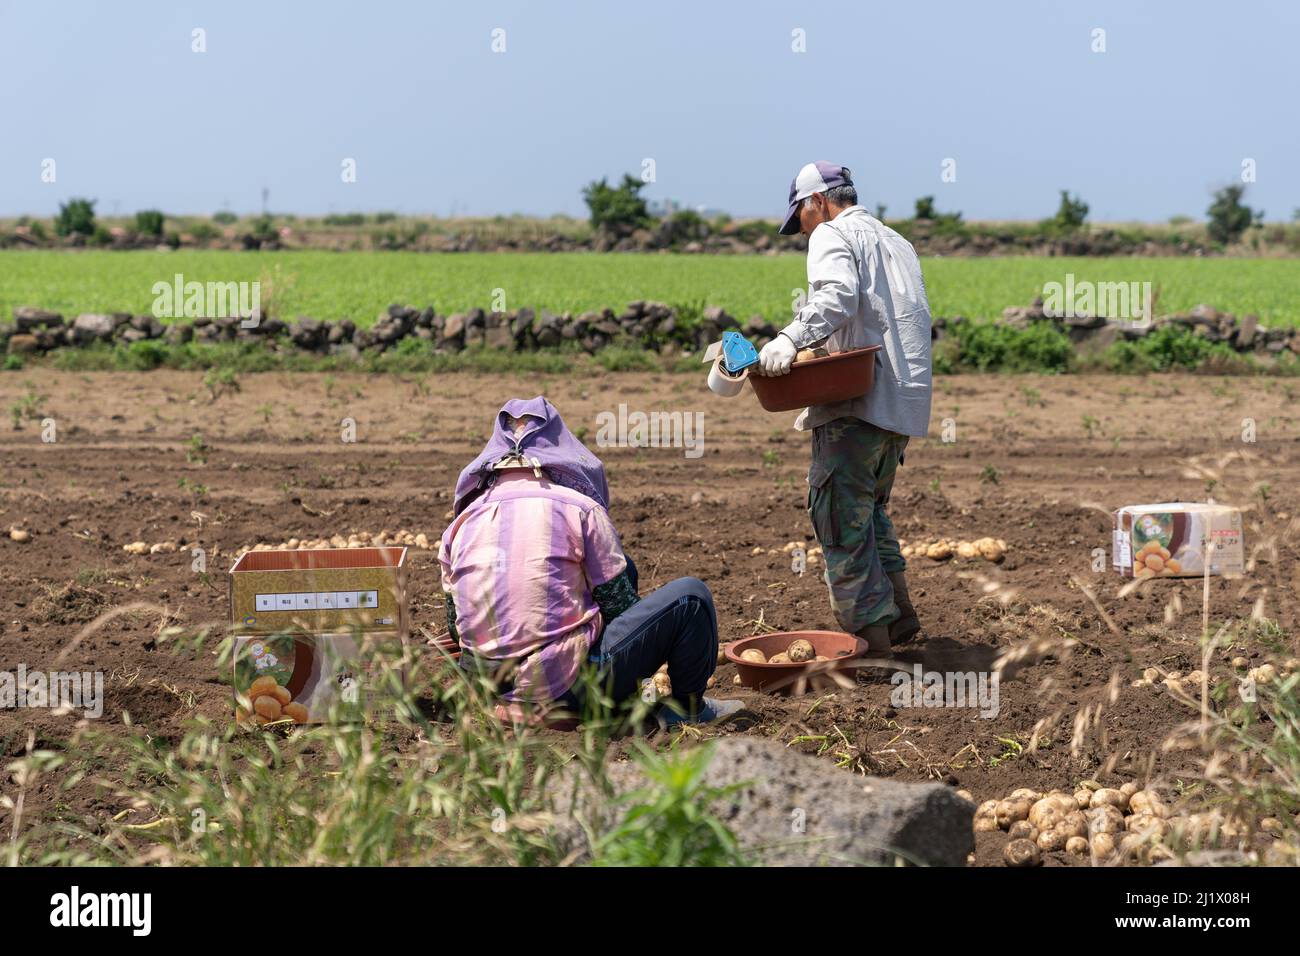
677, 624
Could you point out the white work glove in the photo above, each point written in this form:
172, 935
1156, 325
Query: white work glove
777, 355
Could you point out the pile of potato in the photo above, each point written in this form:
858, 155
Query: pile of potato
990, 549
270, 703
1153, 559
141, 547
1112, 826
359, 539
812, 554
1191, 681
799, 652
1173, 680
1106, 824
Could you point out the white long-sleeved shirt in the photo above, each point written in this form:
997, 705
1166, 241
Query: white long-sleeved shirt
865, 288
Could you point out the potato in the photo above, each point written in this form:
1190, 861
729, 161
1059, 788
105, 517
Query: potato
1051, 810
281, 694
1050, 841
1022, 830
966, 795
938, 551
1146, 823
1264, 674
1021, 853
268, 707
261, 685
800, 651
1104, 819
296, 712
1083, 797
986, 817
136, 547
1009, 811
1102, 848
19, 535
967, 550
722, 654
781, 658
663, 686
1076, 846
1025, 793
753, 655
821, 657
989, 550
1148, 801
1108, 796
1074, 824
1240, 662
737, 681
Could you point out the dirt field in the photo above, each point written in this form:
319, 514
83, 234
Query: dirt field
1036, 461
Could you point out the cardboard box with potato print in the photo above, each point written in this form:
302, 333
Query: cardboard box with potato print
1169, 540
311, 627
310, 679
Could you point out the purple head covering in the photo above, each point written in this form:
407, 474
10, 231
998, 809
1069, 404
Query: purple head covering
547, 440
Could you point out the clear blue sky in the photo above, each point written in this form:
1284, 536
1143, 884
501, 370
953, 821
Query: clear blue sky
712, 91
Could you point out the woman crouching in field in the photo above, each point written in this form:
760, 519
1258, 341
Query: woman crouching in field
537, 584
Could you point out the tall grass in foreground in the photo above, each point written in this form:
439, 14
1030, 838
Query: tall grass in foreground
463, 789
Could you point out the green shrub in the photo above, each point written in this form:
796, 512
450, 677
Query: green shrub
224, 217
987, 346
615, 207
1167, 347
149, 222
76, 216
204, 232
1071, 213
1229, 216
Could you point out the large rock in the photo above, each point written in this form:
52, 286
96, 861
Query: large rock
27, 318
92, 327
790, 809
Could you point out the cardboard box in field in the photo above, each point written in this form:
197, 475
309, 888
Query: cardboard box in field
312, 629
1169, 540
315, 678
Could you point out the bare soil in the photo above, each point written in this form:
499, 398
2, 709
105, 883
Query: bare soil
1038, 461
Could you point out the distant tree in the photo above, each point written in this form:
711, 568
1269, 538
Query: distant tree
149, 222
225, 217
1071, 213
615, 207
925, 210
76, 215
1229, 216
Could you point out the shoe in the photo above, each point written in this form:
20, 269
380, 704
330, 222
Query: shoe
877, 638
908, 624
711, 709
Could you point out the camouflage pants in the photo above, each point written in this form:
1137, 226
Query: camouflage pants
852, 473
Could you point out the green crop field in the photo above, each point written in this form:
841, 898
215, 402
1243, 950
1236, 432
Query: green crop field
359, 285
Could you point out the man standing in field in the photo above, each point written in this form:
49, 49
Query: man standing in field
864, 288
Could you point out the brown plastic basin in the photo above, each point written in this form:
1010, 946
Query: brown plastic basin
844, 651
819, 381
